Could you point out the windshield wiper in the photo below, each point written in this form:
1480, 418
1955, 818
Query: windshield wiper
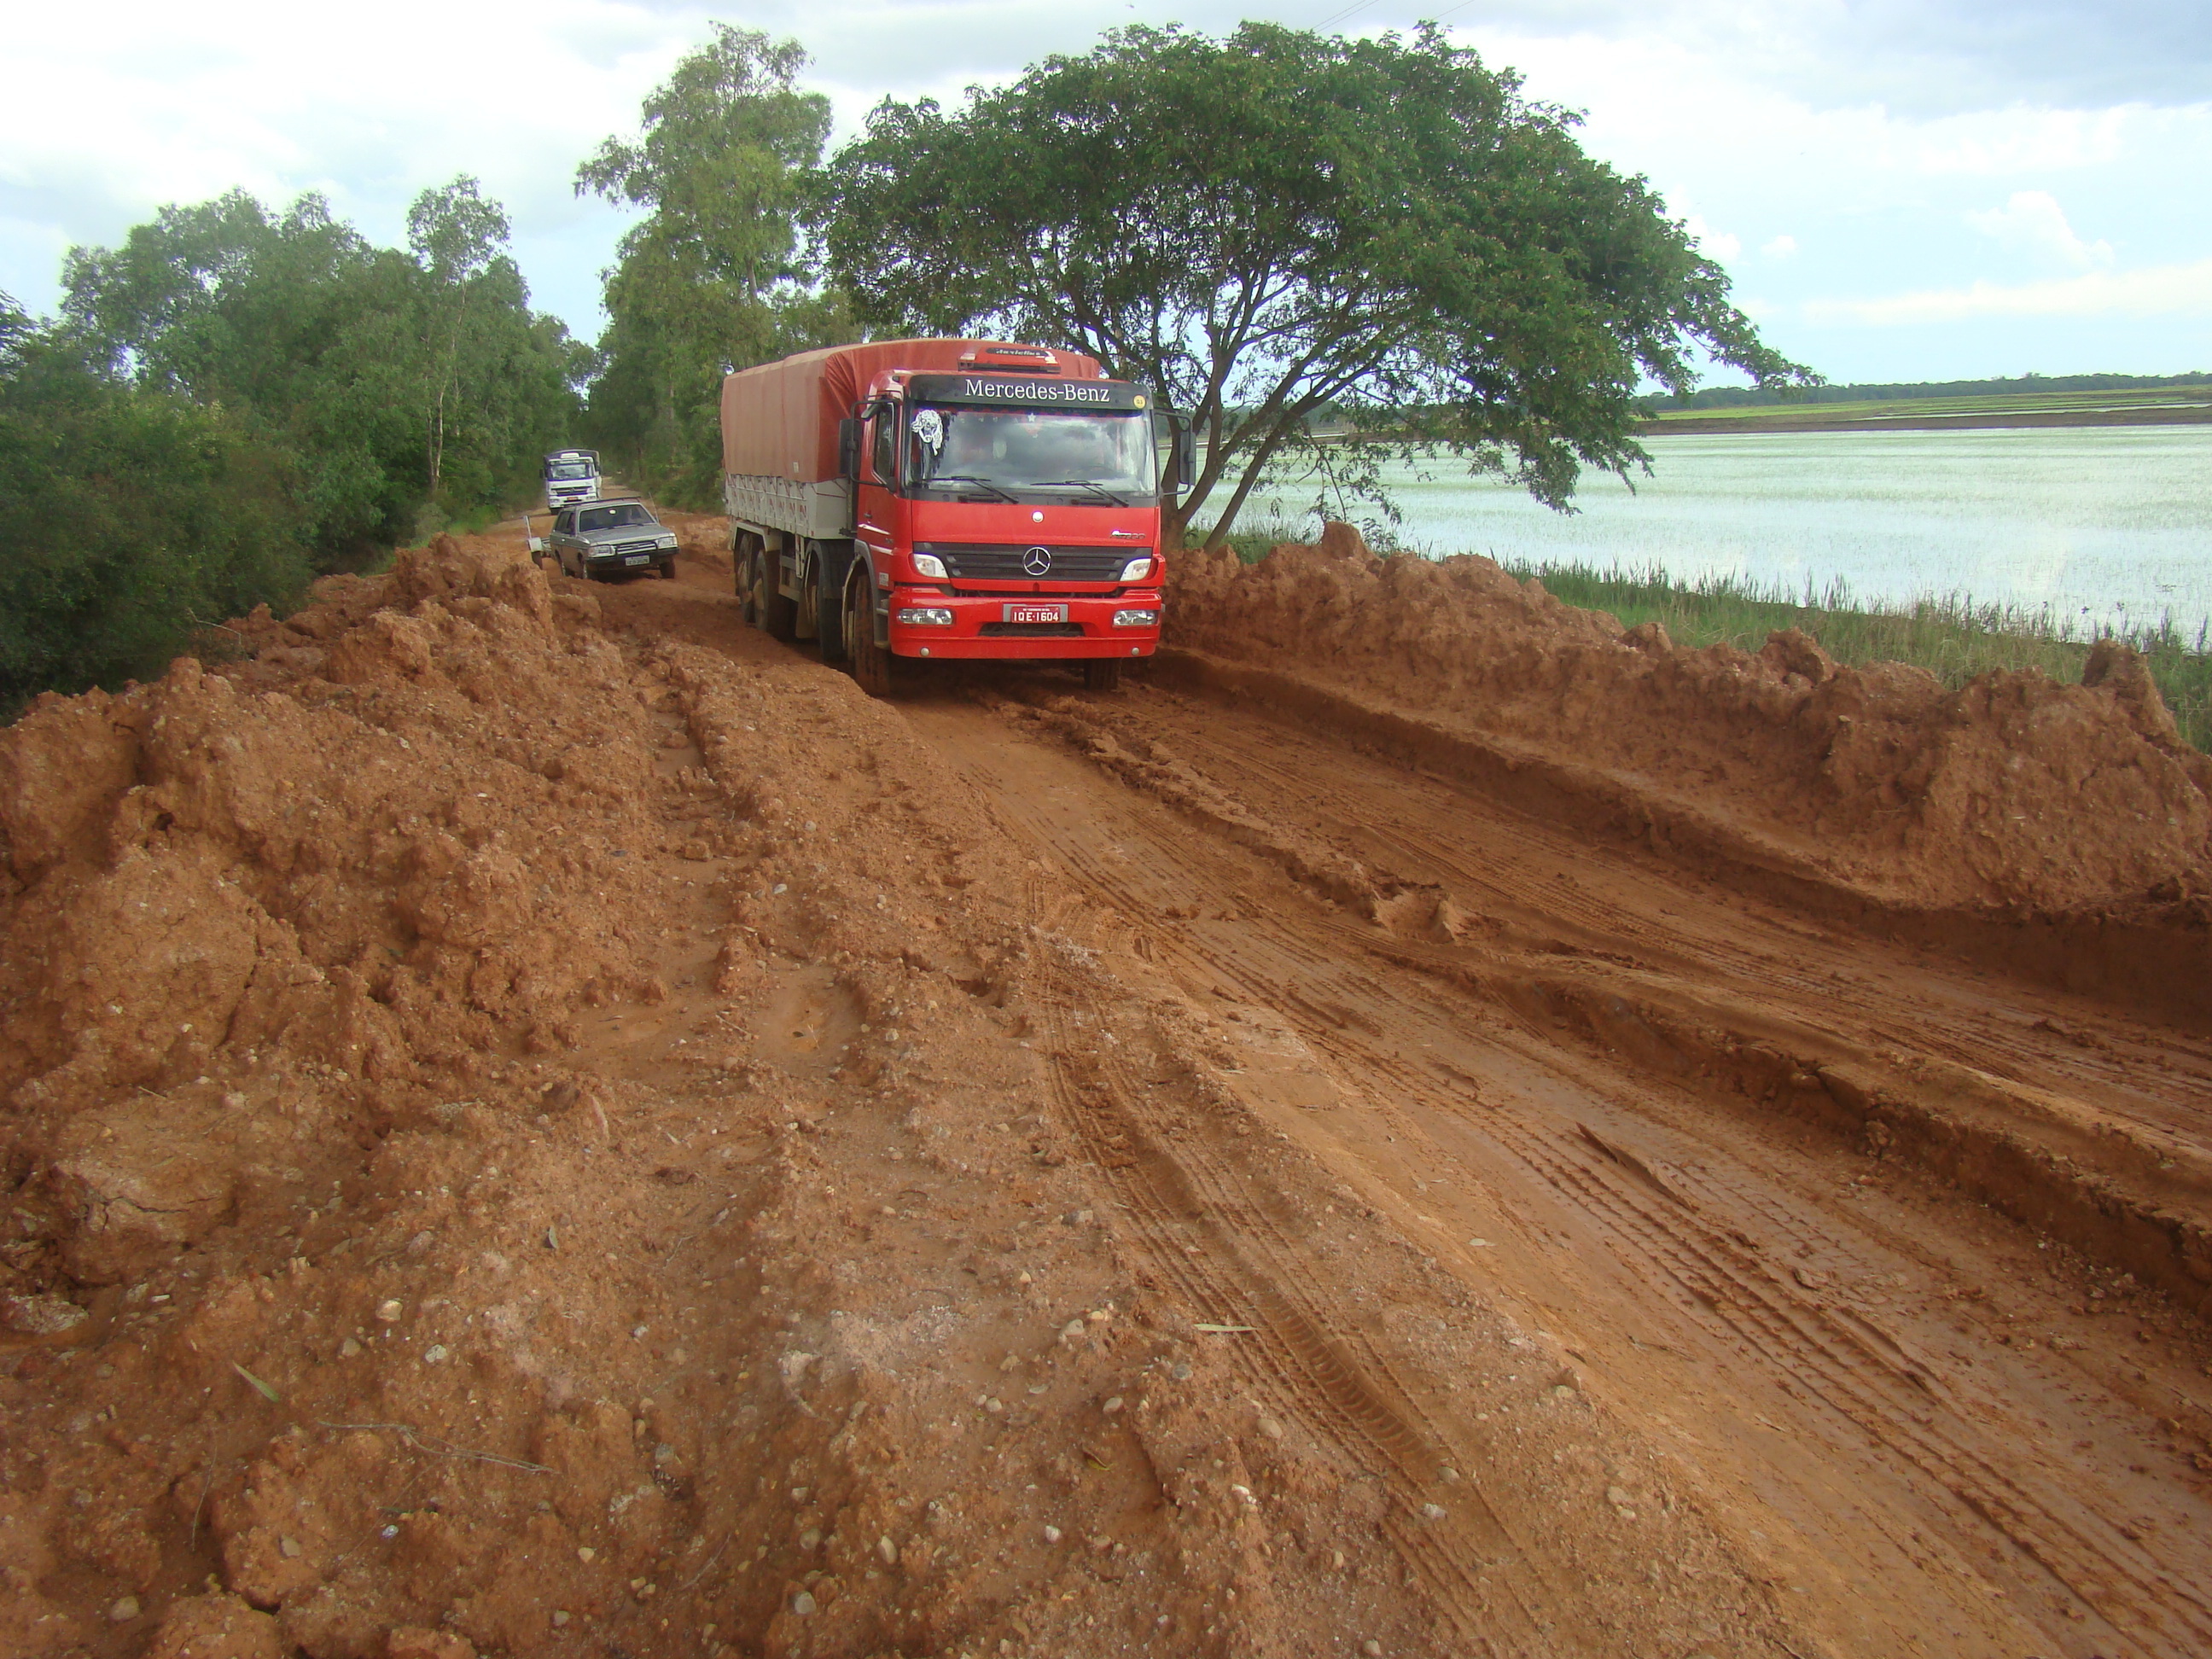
964, 478
1079, 483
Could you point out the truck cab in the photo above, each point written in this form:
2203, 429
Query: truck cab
1005, 514
571, 476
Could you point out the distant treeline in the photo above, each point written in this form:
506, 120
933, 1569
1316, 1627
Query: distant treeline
233, 402
1742, 397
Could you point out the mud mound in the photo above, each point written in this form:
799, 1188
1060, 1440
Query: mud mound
2013, 793
509, 1152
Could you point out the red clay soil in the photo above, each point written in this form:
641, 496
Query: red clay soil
2015, 791
537, 1120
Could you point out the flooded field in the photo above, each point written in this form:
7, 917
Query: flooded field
2102, 523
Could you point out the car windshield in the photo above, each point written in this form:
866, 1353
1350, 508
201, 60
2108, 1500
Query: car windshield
612, 518
1030, 449
568, 470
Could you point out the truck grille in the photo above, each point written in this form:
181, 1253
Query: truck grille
1002, 563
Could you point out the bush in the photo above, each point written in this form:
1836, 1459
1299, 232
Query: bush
135, 519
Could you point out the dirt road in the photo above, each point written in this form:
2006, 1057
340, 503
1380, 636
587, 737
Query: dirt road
543, 1121
1627, 1110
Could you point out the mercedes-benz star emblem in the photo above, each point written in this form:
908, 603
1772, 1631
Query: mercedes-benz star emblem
1038, 561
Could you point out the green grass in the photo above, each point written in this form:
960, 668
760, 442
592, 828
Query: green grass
1994, 403
1955, 638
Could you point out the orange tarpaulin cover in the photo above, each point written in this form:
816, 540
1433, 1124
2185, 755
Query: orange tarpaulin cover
779, 419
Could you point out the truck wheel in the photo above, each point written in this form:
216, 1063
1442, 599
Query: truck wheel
1101, 673
872, 666
773, 614
829, 613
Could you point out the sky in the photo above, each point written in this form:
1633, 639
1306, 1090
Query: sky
1900, 189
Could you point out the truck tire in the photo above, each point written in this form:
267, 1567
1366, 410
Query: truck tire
872, 666
829, 606
741, 574
773, 614
1101, 673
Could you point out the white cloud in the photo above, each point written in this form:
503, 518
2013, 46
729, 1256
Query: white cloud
1781, 247
1716, 243
2182, 290
2034, 219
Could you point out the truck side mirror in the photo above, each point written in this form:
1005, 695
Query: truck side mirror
1186, 453
848, 448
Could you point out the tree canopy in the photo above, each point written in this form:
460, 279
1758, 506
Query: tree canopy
1279, 224
716, 275
389, 379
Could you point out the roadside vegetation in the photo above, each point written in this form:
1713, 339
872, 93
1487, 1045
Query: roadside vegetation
235, 401
1954, 637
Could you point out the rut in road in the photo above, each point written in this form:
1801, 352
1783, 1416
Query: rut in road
1839, 1344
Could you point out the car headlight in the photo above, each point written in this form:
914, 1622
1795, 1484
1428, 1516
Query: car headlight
929, 565
668, 542
1136, 619
925, 617
1136, 570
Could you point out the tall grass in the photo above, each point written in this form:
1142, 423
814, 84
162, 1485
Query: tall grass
1954, 637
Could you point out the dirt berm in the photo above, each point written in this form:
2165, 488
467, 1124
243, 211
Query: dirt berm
510, 1153
2053, 820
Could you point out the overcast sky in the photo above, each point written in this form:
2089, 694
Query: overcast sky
1901, 189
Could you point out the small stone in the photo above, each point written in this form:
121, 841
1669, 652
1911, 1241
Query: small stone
995, 1406
559, 1618
1811, 1278
1269, 1427
1112, 1406
289, 1547
389, 1312
1372, 1648
348, 1348
1180, 1371
1336, 1559
1563, 1391
1099, 1315
1479, 1244
436, 1354
637, 1332
1070, 1331
803, 1603
811, 1538
124, 1609
1052, 1534
887, 1550
40, 1316
587, 1554
1432, 1511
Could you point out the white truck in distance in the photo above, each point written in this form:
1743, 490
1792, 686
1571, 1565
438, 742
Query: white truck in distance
571, 476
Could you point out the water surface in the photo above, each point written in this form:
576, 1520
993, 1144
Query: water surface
2100, 524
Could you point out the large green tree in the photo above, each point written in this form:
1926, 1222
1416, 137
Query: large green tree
1281, 224
716, 275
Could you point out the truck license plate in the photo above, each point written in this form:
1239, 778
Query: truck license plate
1037, 613
638, 558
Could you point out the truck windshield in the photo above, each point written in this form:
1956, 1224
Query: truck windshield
1045, 450
568, 470
612, 518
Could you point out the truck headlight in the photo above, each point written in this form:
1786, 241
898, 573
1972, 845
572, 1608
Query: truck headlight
929, 565
924, 615
1136, 619
1136, 570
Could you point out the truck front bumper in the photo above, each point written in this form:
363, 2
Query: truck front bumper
928, 622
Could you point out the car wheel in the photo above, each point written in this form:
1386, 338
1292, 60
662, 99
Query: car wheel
668, 570
1101, 673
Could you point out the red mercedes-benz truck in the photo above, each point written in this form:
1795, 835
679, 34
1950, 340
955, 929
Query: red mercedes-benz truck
948, 499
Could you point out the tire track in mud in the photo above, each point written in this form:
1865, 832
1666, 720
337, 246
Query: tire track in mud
1829, 1359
